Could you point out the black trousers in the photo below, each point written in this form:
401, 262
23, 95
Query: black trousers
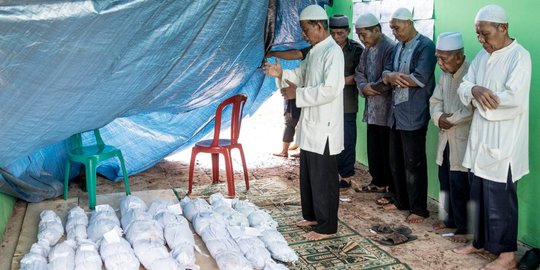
290, 127
347, 157
495, 214
454, 195
409, 169
378, 156
319, 190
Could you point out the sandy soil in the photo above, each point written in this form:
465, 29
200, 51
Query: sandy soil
261, 136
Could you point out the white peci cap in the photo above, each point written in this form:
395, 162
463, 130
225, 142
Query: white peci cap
366, 20
402, 14
313, 13
491, 13
449, 41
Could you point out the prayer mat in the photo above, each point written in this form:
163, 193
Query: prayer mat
347, 250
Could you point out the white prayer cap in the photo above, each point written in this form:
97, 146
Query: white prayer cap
491, 13
313, 13
449, 41
402, 14
366, 20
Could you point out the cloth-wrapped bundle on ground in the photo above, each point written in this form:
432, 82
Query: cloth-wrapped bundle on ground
116, 252
76, 225
103, 220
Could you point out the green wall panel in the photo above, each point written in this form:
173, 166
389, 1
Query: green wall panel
6, 208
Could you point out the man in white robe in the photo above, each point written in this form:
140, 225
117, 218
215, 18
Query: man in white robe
317, 84
497, 85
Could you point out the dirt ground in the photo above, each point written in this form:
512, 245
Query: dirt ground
261, 135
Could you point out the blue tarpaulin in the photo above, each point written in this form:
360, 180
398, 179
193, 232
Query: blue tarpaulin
148, 73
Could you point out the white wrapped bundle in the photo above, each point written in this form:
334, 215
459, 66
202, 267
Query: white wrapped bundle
129, 217
103, 219
211, 220
233, 217
33, 261
77, 222
179, 238
232, 260
131, 202
261, 219
251, 246
244, 207
36, 258
145, 230
87, 256
154, 254
50, 227
158, 206
62, 256
116, 252
277, 245
190, 207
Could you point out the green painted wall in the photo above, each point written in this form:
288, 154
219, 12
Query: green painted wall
6, 208
458, 15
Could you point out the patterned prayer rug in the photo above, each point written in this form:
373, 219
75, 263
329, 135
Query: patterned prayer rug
347, 250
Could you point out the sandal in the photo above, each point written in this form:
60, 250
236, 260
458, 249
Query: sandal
396, 239
373, 188
344, 185
386, 229
530, 260
384, 201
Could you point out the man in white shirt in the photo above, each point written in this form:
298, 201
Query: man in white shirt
453, 118
497, 85
317, 84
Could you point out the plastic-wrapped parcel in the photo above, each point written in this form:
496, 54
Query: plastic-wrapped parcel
87, 256
116, 252
76, 224
36, 258
62, 256
103, 219
50, 227
176, 231
145, 235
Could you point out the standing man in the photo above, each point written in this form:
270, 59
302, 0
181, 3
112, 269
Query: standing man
378, 98
454, 120
411, 75
497, 86
339, 30
317, 84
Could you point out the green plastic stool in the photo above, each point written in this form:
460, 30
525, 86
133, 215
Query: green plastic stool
90, 156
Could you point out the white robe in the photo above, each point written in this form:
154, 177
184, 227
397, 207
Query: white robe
320, 79
499, 138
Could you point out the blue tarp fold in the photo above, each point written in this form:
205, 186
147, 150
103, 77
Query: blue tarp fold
150, 73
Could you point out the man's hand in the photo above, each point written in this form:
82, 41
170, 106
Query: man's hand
443, 121
369, 91
289, 92
487, 99
273, 70
397, 79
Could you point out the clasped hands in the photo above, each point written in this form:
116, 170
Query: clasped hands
487, 99
397, 79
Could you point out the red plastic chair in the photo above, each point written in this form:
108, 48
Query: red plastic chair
218, 146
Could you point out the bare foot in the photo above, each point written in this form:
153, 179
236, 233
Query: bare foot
439, 226
306, 223
390, 207
314, 236
283, 155
467, 250
459, 238
505, 261
414, 219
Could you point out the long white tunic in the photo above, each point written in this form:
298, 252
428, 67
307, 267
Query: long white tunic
446, 100
499, 138
320, 80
